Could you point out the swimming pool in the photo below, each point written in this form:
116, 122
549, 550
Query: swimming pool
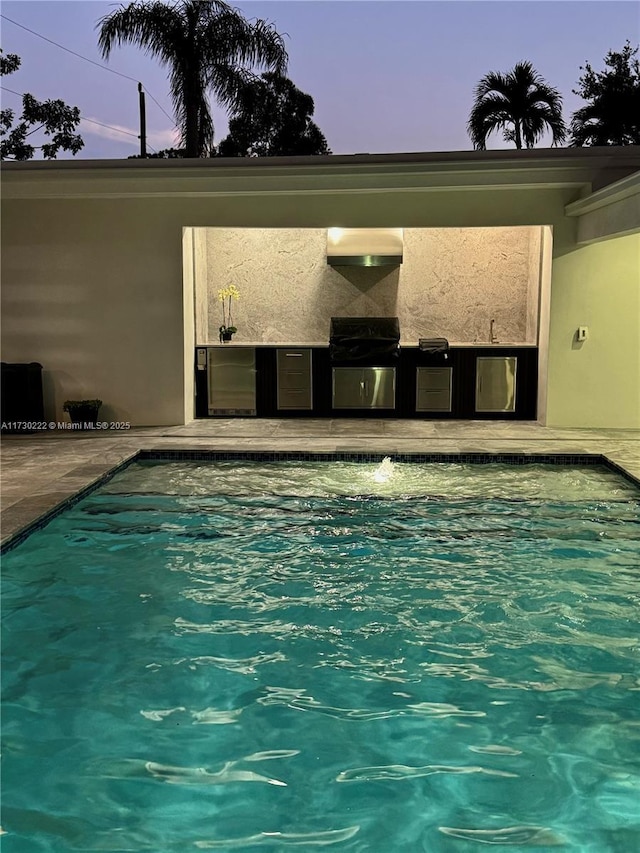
235, 656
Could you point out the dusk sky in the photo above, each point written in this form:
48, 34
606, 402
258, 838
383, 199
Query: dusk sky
386, 77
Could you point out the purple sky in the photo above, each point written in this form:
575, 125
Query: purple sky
385, 76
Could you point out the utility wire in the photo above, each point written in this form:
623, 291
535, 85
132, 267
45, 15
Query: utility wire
98, 64
162, 108
6, 89
111, 127
83, 118
126, 76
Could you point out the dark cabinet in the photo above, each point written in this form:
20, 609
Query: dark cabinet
22, 399
483, 383
294, 379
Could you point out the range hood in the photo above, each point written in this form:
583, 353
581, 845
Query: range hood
364, 247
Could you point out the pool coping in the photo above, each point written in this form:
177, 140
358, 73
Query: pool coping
185, 454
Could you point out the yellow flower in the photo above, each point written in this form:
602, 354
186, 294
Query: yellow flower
230, 292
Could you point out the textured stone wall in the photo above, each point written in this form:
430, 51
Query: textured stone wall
452, 283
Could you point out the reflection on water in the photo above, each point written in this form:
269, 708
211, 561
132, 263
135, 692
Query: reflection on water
386, 479
239, 656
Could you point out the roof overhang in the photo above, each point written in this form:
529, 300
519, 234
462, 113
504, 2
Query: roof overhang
328, 174
613, 211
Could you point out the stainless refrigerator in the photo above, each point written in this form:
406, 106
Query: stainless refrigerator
231, 380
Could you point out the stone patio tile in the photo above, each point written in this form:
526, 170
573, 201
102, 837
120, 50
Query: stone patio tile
40, 471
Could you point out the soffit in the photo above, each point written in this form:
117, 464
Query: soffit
611, 194
451, 171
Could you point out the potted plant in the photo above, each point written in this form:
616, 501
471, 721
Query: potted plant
82, 411
227, 329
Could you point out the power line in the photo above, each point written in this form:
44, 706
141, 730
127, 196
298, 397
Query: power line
110, 126
7, 89
83, 118
97, 64
162, 108
111, 70
117, 129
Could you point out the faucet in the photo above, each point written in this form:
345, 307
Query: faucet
492, 335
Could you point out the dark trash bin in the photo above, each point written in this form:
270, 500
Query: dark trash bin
22, 405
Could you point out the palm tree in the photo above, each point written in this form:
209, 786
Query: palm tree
519, 103
207, 45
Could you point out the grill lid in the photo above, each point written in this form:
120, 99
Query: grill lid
364, 338
364, 329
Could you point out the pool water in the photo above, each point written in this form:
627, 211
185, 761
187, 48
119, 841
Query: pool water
239, 656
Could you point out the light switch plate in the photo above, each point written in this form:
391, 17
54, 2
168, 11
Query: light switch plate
581, 334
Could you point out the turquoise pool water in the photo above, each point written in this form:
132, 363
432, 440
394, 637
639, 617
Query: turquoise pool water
300, 656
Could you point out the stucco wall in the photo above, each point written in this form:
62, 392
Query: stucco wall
451, 283
189, 254
619, 218
93, 289
597, 382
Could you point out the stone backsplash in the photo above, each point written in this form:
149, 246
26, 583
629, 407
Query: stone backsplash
452, 282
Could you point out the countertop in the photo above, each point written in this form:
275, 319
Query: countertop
403, 344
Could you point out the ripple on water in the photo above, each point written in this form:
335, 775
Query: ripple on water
235, 656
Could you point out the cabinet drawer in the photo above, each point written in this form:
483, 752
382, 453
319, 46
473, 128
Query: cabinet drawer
294, 379
294, 398
433, 401
434, 378
294, 359
433, 389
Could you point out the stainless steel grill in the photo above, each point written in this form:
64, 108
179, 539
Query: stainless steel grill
363, 352
372, 341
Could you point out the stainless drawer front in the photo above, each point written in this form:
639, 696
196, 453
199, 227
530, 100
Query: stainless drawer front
294, 379
294, 359
433, 401
433, 389
294, 398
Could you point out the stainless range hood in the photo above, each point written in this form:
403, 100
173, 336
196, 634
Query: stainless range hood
364, 247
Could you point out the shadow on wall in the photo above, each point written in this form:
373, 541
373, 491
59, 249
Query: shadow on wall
49, 394
59, 385
452, 283
364, 278
355, 292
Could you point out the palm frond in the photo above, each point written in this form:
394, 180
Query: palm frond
487, 115
520, 103
207, 46
156, 27
230, 39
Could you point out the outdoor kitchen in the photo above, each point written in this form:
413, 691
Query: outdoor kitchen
367, 322
451, 283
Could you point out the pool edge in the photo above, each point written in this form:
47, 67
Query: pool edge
167, 454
